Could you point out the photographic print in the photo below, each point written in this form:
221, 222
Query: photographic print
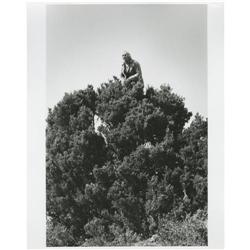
127, 125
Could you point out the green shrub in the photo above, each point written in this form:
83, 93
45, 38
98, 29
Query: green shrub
59, 235
192, 231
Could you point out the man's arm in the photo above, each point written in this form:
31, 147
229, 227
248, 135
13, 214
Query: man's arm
122, 73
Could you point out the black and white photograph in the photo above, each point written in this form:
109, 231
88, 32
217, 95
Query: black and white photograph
126, 127
125, 124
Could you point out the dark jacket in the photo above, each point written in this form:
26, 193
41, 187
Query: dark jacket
130, 70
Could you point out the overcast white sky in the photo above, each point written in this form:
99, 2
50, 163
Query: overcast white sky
85, 44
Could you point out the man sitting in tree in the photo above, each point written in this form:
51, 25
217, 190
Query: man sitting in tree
131, 70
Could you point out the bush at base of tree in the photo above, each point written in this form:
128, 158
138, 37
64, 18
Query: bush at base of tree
192, 231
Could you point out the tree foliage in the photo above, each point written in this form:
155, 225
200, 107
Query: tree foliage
139, 167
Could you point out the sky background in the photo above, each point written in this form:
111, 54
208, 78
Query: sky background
85, 44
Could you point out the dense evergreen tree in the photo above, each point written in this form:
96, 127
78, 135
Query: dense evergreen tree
141, 165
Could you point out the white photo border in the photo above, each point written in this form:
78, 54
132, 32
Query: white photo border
36, 28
